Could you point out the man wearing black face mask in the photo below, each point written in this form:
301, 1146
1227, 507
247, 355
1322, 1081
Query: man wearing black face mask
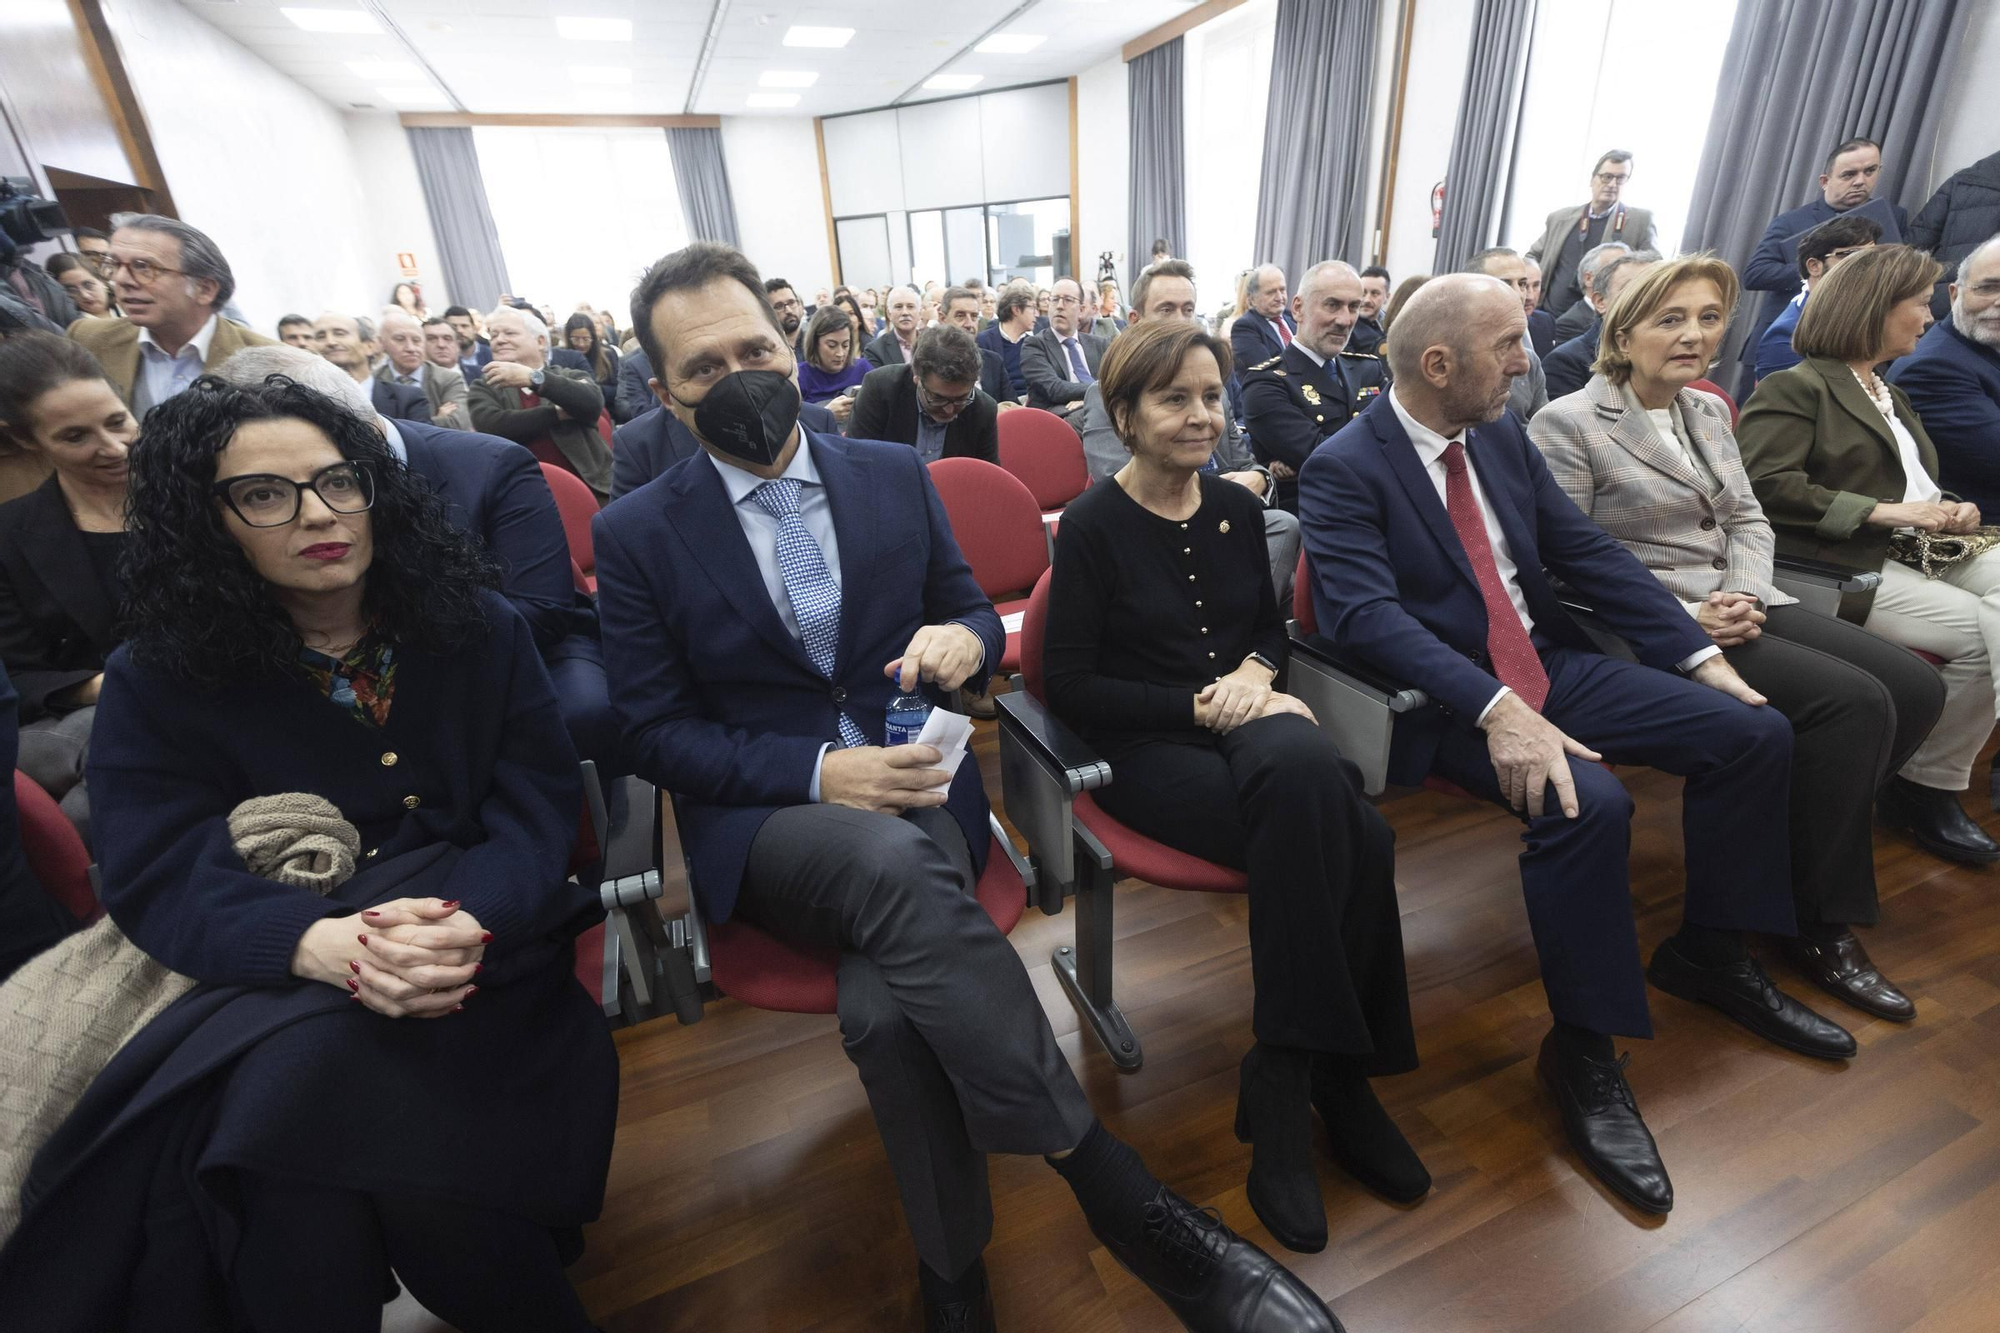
761, 604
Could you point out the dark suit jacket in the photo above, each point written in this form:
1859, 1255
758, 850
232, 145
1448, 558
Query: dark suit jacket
1567, 368
1541, 334
1820, 457
399, 402
493, 489
571, 359
1773, 267
1290, 404
886, 409
993, 377
1045, 366
884, 350
654, 441
634, 398
1580, 316
720, 704
1252, 341
1954, 384
30, 919
57, 622
1391, 582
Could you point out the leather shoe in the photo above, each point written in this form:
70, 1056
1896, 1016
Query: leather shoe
1274, 1113
1602, 1123
1936, 822
1842, 968
1361, 1136
967, 1316
1744, 992
1212, 1279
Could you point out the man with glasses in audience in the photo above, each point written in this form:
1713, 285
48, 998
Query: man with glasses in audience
1060, 363
1819, 250
791, 312
172, 283
1953, 380
934, 403
1569, 232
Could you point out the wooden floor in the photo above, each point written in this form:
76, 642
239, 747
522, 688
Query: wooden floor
749, 1193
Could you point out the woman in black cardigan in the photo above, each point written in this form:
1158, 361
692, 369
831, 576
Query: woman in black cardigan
1163, 643
403, 1074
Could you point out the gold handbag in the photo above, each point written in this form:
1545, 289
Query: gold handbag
1930, 553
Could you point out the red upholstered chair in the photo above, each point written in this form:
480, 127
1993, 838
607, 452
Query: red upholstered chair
1710, 386
998, 526
54, 850
1049, 773
1045, 453
577, 506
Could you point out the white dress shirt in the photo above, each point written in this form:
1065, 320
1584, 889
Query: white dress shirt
162, 376
1430, 448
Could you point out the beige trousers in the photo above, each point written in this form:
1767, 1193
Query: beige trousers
1957, 617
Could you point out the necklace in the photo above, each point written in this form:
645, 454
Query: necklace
1877, 391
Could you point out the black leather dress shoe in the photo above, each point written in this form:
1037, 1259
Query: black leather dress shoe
975, 1316
1362, 1137
1212, 1279
1274, 1113
1743, 992
1602, 1122
1843, 970
1936, 822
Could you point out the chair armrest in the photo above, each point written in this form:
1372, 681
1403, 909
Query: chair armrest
1043, 765
1821, 573
1356, 706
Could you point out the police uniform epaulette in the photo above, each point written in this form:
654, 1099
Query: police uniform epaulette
1364, 356
1266, 365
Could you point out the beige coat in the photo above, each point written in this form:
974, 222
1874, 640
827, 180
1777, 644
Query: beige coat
115, 343
1697, 535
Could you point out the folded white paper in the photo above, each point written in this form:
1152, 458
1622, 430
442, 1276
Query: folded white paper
950, 733
1012, 623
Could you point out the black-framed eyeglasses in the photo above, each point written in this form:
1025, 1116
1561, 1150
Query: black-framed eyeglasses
265, 500
1609, 177
934, 404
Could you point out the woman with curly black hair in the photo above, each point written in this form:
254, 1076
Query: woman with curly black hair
397, 1070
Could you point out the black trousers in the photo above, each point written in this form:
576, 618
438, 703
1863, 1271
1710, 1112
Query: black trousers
1859, 708
317, 1260
936, 1010
1274, 799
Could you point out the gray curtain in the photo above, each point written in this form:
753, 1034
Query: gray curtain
1480, 173
1798, 77
703, 182
1313, 200
455, 195
1159, 154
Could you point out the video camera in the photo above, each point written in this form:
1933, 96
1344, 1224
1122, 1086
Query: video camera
25, 217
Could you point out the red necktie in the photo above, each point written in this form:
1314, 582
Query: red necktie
1513, 654
1284, 334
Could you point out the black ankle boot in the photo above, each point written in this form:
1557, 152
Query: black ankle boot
1935, 821
1274, 1113
1361, 1136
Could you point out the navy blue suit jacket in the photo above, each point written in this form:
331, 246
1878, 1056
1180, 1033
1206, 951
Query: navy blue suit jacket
1773, 267
654, 441
1252, 341
493, 489
720, 704
1392, 585
1954, 383
1567, 368
399, 402
634, 398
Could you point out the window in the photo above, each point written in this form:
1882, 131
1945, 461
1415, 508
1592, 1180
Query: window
1028, 240
566, 234
993, 242
1228, 63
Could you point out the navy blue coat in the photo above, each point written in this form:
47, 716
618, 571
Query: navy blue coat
494, 489
634, 398
1541, 336
1252, 341
399, 402
719, 702
1393, 586
1773, 267
654, 441
1954, 383
1567, 368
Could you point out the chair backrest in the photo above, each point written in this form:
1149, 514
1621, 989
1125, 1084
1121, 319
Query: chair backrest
55, 851
1033, 623
1303, 614
1044, 453
1710, 386
577, 506
996, 521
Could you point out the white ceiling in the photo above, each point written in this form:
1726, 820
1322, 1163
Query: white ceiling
499, 56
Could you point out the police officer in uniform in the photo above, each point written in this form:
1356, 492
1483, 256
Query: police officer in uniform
1315, 386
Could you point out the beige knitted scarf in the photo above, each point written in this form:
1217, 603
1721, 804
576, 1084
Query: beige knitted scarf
69, 1010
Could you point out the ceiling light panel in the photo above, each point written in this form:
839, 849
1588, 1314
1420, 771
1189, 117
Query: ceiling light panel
832, 38
787, 78
594, 30
1009, 44
333, 20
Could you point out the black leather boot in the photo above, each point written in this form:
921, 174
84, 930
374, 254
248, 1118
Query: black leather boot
1362, 1137
1936, 822
1274, 1114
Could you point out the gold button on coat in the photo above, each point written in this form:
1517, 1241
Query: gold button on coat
389, 759
411, 802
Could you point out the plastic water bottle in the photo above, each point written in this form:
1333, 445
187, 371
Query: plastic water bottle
907, 714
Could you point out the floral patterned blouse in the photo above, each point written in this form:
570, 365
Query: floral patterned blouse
363, 681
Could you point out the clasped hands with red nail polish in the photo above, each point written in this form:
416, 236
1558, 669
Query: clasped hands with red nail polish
412, 957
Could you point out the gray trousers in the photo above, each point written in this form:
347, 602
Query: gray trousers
936, 1010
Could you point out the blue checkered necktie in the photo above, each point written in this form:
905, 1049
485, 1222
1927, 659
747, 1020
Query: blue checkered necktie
809, 583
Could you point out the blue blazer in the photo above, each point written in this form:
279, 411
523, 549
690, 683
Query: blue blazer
1567, 368
1392, 585
719, 702
1774, 348
1773, 267
399, 402
1954, 383
1252, 342
634, 398
654, 441
493, 489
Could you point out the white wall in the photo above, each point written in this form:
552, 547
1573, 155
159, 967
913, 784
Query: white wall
394, 219
1968, 129
773, 168
1430, 114
254, 160
1104, 161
